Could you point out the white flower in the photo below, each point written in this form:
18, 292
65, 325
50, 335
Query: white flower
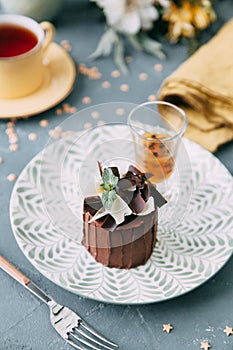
129, 16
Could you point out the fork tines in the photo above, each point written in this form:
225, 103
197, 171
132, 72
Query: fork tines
88, 338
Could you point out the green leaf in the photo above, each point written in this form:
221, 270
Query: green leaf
107, 198
151, 46
109, 178
105, 45
118, 55
133, 39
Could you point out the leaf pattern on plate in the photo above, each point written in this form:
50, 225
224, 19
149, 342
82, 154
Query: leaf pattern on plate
195, 233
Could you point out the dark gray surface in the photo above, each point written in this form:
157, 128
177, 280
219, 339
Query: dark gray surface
200, 315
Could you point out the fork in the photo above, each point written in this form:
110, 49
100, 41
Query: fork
66, 322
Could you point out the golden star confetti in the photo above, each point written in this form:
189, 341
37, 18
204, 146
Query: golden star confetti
58, 111
124, 87
205, 345
152, 98
67, 108
87, 126
32, 136
86, 100
120, 111
56, 133
12, 136
101, 123
11, 177
158, 67
106, 84
115, 74
43, 123
1, 160
10, 124
143, 76
67, 133
228, 330
95, 115
167, 328
14, 147
92, 73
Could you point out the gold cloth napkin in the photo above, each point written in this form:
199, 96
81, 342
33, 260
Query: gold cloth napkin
203, 87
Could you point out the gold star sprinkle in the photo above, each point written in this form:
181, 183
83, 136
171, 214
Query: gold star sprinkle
43, 123
13, 138
32, 136
101, 123
205, 345
115, 73
152, 98
158, 67
167, 328
87, 125
1, 160
86, 100
10, 124
95, 115
124, 87
14, 147
143, 76
106, 84
56, 133
11, 177
58, 111
228, 330
120, 111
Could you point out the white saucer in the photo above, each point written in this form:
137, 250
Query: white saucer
59, 79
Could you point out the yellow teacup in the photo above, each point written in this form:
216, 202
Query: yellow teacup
23, 42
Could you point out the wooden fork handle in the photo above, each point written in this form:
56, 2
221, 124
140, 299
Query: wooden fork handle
13, 271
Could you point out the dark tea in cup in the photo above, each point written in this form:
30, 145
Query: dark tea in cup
23, 44
16, 40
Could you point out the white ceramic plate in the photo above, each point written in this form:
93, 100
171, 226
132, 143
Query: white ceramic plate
195, 234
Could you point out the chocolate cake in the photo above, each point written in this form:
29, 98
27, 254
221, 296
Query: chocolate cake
130, 243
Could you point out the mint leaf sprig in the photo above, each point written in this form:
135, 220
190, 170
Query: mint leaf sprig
109, 184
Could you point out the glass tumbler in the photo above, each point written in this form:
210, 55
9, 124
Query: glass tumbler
157, 128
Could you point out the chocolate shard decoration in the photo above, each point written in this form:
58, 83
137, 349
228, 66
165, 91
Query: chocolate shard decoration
124, 190
107, 222
145, 192
100, 168
92, 205
137, 203
159, 200
134, 188
115, 171
134, 170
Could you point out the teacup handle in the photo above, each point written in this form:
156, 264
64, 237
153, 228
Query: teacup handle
49, 30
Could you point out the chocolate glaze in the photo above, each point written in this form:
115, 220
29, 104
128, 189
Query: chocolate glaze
129, 245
